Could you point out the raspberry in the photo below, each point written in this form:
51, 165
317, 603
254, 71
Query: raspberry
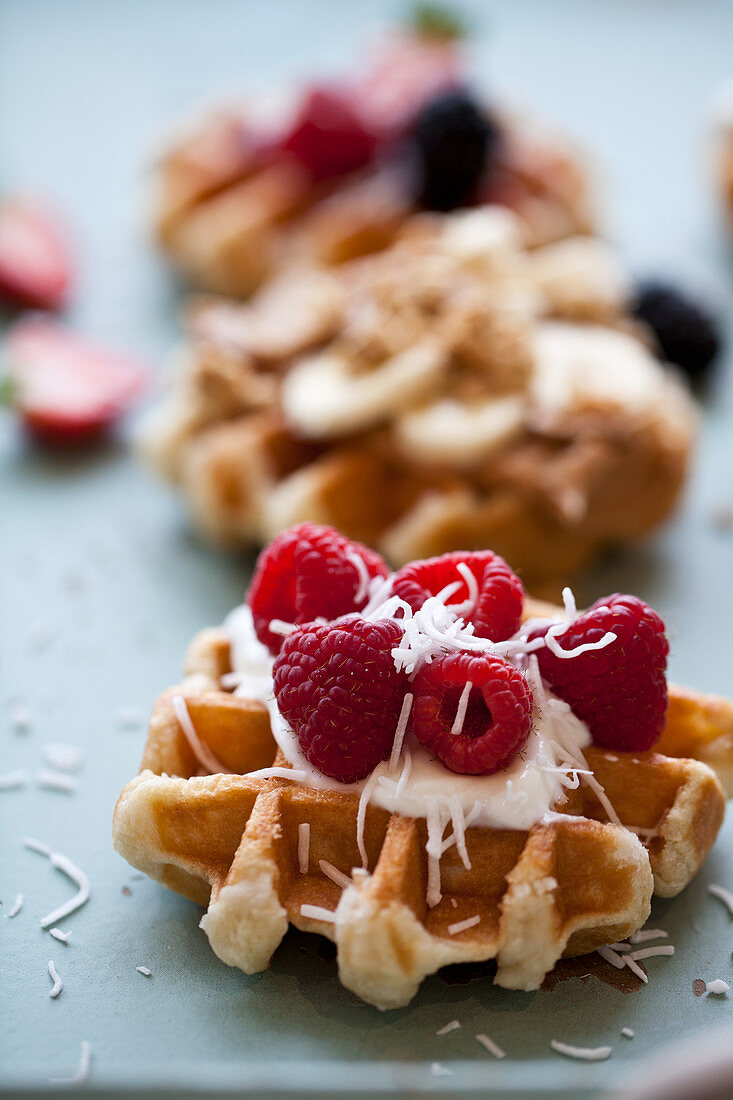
454, 141
338, 688
329, 137
498, 719
686, 332
309, 572
619, 691
498, 610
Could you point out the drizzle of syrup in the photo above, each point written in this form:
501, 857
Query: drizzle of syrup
592, 966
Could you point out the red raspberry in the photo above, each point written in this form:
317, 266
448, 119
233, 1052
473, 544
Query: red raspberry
498, 609
308, 572
329, 136
620, 691
338, 687
498, 719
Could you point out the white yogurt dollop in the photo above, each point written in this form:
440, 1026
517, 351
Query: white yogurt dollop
515, 798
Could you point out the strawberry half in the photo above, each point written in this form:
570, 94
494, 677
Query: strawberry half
66, 389
35, 263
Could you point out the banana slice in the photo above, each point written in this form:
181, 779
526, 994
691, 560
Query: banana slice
321, 397
582, 366
581, 278
450, 433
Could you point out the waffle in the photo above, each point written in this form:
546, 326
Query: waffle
229, 222
572, 883
456, 390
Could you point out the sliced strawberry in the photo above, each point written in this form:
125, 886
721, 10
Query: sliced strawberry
66, 389
35, 264
329, 136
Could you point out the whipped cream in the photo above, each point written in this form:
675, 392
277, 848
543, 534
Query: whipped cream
419, 784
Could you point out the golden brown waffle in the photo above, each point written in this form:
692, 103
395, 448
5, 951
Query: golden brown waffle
229, 224
455, 391
232, 842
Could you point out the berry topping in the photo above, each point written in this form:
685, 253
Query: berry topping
686, 332
35, 267
309, 572
620, 691
67, 391
338, 688
329, 136
473, 711
454, 141
497, 609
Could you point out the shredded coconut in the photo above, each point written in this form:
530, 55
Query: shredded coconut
648, 934
202, 752
63, 758
446, 1028
144, 971
82, 1070
19, 717
361, 815
400, 731
718, 987
461, 709
636, 969
491, 1046
463, 925
584, 1054
127, 718
438, 1070
62, 937
334, 874
628, 1032
10, 781
304, 845
278, 773
316, 912
362, 574
58, 985
611, 957
16, 907
651, 952
62, 863
279, 626
55, 781
724, 895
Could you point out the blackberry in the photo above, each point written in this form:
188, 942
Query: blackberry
454, 141
687, 334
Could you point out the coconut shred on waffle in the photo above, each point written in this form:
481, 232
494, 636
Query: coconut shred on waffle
425, 766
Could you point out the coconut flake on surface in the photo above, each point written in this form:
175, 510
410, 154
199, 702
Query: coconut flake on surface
718, 987
144, 971
723, 895
491, 1046
62, 937
438, 1070
648, 934
82, 1070
628, 1032
56, 781
583, 1054
64, 864
19, 717
446, 1028
16, 907
58, 985
62, 757
12, 781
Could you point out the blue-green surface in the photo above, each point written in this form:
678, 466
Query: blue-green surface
101, 587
